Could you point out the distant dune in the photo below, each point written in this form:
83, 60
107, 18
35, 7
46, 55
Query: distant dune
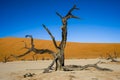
73, 50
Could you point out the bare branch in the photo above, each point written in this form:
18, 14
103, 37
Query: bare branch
32, 44
69, 14
21, 54
43, 51
95, 66
59, 15
74, 7
53, 39
24, 54
79, 67
72, 16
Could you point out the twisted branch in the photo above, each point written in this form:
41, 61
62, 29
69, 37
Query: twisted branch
33, 49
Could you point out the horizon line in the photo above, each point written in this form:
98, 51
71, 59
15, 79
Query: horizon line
67, 41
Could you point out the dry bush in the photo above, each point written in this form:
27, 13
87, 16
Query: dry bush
113, 56
5, 58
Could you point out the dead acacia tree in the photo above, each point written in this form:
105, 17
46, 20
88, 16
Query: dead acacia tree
59, 59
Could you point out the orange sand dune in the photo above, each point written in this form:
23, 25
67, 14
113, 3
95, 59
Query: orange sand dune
15, 46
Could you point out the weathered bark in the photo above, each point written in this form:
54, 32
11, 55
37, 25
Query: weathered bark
60, 49
62, 44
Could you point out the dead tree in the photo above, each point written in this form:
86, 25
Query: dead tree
61, 47
59, 54
33, 49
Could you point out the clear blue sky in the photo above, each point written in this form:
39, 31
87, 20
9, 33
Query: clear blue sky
100, 19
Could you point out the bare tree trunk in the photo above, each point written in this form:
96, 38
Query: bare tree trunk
60, 49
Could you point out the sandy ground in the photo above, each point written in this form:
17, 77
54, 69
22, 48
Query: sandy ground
15, 70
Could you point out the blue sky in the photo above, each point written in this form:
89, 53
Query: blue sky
100, 19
